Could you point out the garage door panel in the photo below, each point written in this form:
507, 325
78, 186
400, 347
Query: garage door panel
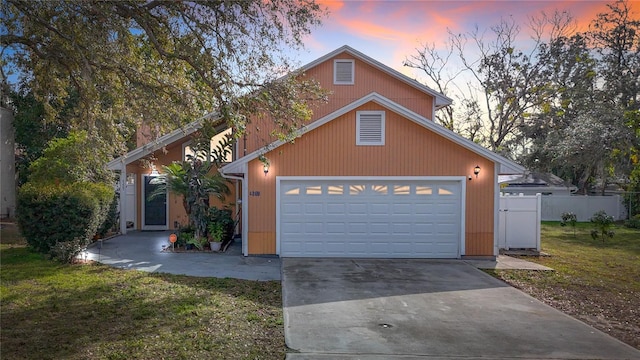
314, 208
291, 208
314, 228
370, 218
335, 208
401, 209
379, 209
336, 228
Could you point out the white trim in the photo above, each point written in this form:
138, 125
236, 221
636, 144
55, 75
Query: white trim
335, 71
440, 99
463, 219
505, 164
359, 141
123, 198
245, 212
461, 179
496, 213
143, 225
184, 149
162, 141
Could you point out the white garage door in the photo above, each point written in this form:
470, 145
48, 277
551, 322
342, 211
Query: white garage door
370, 218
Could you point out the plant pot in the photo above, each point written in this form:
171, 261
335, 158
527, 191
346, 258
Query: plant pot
215, 245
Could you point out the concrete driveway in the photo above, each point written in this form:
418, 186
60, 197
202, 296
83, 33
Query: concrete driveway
411, 309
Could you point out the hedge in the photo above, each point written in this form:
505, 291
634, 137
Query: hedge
61, 219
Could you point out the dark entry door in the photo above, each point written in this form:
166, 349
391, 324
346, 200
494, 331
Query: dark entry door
154, 215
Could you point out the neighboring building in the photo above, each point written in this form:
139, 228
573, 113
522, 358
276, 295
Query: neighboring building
7, 164
532, 183
372, 176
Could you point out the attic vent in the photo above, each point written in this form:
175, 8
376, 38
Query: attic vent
370, 128
343, 72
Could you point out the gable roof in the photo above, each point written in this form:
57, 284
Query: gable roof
506, 166
160, 142
441, 100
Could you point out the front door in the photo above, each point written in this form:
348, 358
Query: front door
154, 208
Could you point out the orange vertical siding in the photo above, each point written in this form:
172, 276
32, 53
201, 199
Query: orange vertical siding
409, 150
165, 156
368, 79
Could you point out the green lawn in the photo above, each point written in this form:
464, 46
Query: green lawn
596, 282
55, 311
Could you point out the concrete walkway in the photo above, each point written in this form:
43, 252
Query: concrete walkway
504, 262
150, 251
143, 250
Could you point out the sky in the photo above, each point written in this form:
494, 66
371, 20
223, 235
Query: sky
390, 31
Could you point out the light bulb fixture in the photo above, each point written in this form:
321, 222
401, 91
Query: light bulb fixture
154, 171
265, 164
476, 171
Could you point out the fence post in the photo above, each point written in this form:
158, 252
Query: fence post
538, 219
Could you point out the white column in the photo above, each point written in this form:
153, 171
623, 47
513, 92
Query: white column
123, 197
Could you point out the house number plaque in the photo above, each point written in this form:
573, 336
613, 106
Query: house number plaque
254, 193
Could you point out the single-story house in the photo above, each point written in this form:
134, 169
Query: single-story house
532, 183
371, 176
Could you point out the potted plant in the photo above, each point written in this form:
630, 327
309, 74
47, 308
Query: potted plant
216, 233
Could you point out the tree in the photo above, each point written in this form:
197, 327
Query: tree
163, 63
32, 131
73, 159
615, 35
436, 66
505, 76
496, 103
567, 93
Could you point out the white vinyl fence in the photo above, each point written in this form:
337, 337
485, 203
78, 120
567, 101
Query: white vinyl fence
519, 222
583, 206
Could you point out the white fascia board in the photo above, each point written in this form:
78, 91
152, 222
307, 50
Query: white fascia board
164, 140
237, 166
448, 134
441, 99
509, 169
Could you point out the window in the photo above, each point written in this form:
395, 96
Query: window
343, 72
370, 128
215, 142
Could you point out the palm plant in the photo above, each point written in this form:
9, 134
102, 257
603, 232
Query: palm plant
195, 179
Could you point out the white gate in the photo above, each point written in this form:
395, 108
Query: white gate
519, 222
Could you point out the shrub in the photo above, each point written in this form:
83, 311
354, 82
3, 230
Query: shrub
603, 224
75, 158
633, 223
111, 219
61, 219
570, 219
223, 217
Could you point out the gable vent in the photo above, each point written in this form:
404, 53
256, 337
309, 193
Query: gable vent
370, 128
343, 72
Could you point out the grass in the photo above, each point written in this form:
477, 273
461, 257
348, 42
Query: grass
51, 310
594, 281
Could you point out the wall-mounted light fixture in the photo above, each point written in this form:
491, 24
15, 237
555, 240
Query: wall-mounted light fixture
265, 164
154, 171
476, 171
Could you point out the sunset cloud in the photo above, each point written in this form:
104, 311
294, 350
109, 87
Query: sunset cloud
390, 31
